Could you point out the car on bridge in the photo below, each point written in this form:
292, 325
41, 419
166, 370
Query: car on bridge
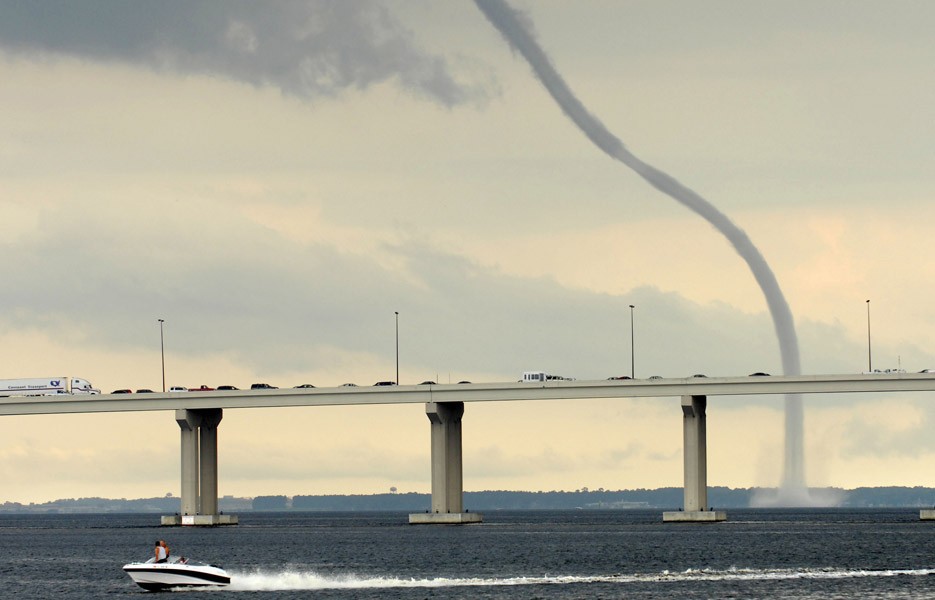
202, 388
304, 386
178, 388
263, 386
122, 392
384, 383
227, 388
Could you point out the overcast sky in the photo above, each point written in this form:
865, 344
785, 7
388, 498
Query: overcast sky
276, 179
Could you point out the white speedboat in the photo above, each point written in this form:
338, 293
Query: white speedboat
174, 573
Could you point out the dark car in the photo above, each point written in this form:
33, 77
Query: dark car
428, 383
699, 375
304, 386
759, 374
464, 382
122, 392
227, 388
144, 391
263, 386
385, 383
619, 378
201, 388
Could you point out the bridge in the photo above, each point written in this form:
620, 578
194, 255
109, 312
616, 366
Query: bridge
199, 414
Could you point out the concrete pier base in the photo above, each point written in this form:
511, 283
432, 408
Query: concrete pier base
199, 520
445, 518
199, 469
447, 470
694, 516
695, 464
927, 514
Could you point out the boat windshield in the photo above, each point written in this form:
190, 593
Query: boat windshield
178, 560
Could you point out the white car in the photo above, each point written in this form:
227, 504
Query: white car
178, 388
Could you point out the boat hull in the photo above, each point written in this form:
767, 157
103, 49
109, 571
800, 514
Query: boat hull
161, 576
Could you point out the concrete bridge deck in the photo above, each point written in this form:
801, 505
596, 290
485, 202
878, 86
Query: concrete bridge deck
475, 392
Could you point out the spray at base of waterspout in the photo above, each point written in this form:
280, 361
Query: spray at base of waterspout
790, 496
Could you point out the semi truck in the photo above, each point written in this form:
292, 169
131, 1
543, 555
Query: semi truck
46, 386
542, 376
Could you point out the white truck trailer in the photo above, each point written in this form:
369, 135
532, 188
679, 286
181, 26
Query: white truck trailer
542, 376
46, 386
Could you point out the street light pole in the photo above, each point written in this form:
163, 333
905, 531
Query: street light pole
869, 356
397, 347
162, 353
632, 346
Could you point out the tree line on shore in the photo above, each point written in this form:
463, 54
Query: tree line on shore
662, 499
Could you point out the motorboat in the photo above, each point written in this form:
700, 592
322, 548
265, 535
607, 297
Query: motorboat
177, 572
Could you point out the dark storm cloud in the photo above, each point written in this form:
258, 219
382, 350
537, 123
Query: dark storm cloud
307, 48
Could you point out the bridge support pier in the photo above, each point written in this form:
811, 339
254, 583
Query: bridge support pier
199, 469
695, 454
447, 479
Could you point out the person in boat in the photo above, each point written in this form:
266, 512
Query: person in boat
162, 551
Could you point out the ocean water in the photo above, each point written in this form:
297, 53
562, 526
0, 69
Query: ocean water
531, 554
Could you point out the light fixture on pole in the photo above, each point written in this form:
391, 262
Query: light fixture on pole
162, 354
397, 347
869, 356
632, 346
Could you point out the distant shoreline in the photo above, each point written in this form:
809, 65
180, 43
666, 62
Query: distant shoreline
661, 499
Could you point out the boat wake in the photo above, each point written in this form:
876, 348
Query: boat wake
310, 580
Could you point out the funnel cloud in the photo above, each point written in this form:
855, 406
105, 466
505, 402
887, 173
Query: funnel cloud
516, 29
